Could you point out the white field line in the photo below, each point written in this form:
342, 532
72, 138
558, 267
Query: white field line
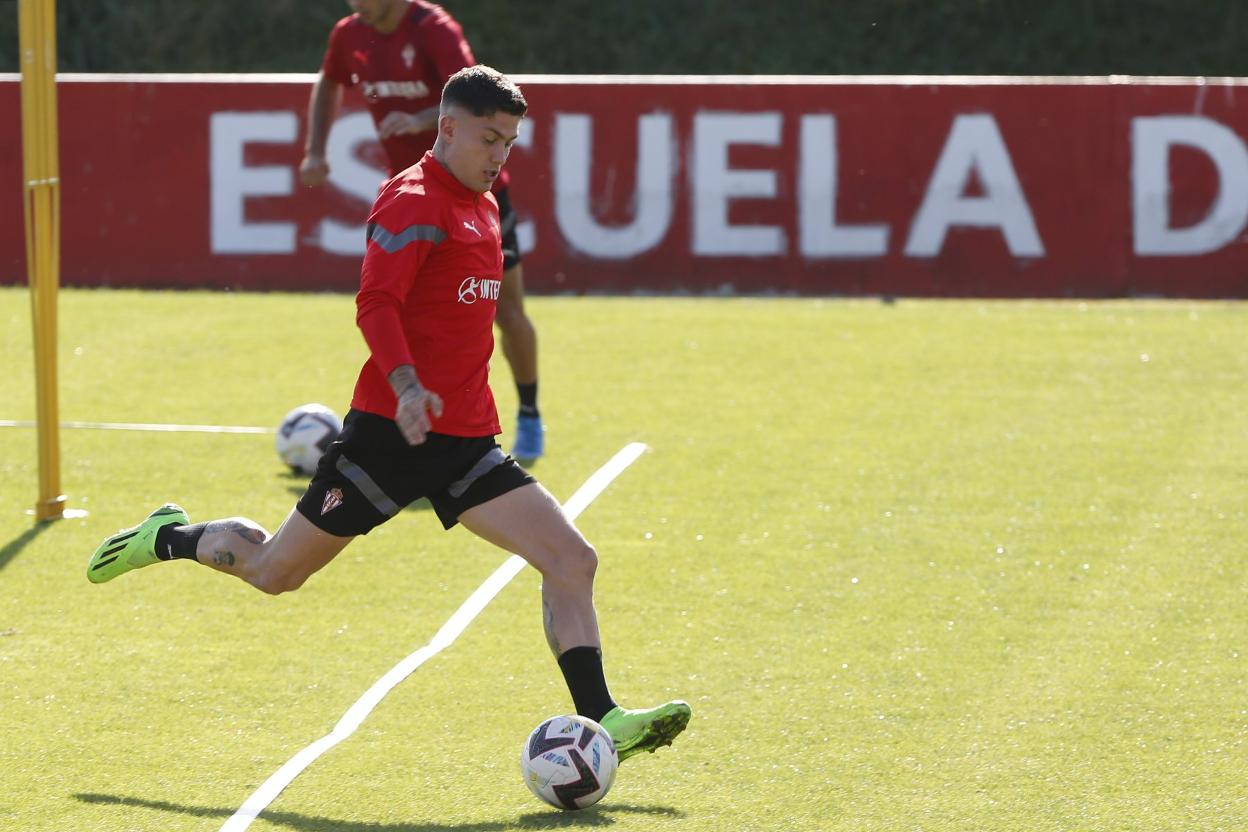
456, 624
22, 423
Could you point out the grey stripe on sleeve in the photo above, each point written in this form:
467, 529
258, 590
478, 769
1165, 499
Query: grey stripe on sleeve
484, 465
367, 487
391, 243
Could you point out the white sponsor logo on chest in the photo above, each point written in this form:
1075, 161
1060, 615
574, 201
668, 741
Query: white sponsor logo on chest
474, 289
395, 89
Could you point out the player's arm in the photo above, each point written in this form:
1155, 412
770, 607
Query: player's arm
397, 123
322, 110
415, 403
397, 248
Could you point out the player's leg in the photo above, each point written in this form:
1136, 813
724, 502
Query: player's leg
518, 335
529, 522
237, 546
519, 342
348, 496
518, 338
271, 563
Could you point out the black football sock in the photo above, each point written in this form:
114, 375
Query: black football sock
528, 399
582, 670
174, 541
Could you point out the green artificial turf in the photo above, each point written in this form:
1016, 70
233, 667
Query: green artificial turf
917, 566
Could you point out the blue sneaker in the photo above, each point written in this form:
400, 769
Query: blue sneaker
530, 437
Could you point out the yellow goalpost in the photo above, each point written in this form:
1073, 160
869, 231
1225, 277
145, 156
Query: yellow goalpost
41, 203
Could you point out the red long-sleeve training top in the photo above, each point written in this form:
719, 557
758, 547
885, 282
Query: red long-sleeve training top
428, 291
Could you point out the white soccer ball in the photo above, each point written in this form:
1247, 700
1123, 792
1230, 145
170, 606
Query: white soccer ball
304, 435
569, 762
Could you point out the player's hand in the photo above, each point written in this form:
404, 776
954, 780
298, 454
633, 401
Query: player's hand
313, 171
412, 413
397, 124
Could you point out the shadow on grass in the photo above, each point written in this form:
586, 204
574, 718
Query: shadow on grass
600, 815
14, 547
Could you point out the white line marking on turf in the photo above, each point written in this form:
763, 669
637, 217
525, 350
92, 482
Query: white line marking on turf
450, 631
21, 423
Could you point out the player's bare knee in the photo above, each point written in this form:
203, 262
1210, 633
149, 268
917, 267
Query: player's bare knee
275, 581
576, 566
291, 581
274, 576
265, 585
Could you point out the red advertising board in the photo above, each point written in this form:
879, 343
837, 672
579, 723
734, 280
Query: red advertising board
990, 187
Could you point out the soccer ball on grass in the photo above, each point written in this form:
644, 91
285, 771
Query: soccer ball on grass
569, 762
304, 435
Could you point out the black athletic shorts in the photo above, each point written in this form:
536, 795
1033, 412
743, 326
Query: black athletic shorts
507, 225
370, 474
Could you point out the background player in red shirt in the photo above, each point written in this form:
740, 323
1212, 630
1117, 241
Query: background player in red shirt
422, 420
400, 54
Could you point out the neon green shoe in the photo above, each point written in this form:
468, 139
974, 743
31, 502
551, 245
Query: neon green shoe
647, 729
132, 548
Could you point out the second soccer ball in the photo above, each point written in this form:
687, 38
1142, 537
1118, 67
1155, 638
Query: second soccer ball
304, 435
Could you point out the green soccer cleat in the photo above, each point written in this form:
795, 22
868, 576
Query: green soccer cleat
132, 548
647, 729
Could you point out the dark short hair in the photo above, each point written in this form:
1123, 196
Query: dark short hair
484, 91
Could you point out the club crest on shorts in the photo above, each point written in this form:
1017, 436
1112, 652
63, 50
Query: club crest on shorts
333, 499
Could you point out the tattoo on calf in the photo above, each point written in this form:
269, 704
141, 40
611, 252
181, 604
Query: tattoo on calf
222, 549
548, 623
245, 529
251, 534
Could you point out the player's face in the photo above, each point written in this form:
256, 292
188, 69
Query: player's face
372, 12
477, 146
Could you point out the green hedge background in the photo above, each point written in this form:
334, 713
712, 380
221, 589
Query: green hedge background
1006, 37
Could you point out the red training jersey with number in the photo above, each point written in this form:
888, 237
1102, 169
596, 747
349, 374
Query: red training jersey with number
403, 71
428, 290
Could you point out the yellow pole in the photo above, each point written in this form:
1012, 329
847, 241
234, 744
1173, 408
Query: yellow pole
37, 25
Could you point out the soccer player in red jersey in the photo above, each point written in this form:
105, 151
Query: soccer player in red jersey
400, 54
422, 421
